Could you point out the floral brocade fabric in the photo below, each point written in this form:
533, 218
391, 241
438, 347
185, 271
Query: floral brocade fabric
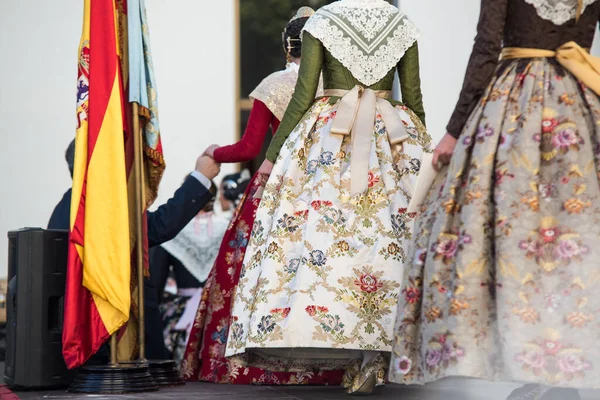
323, 269
204, 358
503, 279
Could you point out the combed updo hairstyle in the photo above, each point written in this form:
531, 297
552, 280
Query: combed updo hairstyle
292, 42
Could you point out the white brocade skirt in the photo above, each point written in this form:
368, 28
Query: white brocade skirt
323, 269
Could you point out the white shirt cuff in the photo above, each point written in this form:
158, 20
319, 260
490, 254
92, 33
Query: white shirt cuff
202, 179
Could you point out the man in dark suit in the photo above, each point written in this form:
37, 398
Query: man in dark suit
163, 225
170, 218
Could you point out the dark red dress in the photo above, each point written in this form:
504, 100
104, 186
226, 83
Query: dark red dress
204, 356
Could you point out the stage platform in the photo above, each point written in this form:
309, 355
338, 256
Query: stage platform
449, 389
452, 389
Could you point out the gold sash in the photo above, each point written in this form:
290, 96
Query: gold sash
571, 56
356, 115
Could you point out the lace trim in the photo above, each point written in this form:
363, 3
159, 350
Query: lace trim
370, 4
197, 245
369, 41
558, 11
277, 89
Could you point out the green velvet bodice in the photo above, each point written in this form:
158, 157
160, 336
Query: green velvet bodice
316, 59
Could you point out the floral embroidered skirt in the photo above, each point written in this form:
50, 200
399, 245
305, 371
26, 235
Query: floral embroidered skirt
171, 309
204, 358
322, 273
504, 272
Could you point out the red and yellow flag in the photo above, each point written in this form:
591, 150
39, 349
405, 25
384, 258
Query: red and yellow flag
98, 296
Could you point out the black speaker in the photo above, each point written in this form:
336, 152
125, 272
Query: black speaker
37, 267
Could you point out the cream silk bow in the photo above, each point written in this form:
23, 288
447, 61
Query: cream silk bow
356, 115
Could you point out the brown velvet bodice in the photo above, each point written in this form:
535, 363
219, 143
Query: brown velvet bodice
513, 23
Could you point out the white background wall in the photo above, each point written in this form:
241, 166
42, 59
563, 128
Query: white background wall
447, 32
193, 46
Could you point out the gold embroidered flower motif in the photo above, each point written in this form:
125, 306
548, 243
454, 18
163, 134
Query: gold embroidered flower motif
532, 202
393, 248
343, 246
579, 319
528, 315
576, 206
433, 314
450, 206
457, 306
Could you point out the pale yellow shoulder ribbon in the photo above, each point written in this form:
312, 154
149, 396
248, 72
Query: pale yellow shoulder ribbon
570, 55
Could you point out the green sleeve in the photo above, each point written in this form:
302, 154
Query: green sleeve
410, 81
304, 94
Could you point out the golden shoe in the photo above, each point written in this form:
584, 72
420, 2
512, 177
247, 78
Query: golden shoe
363, 387
350, 374
369, 376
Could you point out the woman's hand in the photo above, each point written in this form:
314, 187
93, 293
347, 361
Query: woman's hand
264, 172
443, 152
210, 150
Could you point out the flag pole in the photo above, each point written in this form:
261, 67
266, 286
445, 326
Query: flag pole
139, 212
113, 350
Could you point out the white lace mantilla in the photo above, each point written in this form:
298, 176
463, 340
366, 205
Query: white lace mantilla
369, 37
276, 90
558, 11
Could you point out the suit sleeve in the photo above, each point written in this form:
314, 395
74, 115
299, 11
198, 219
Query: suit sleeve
483, 62
170, 218
248, 148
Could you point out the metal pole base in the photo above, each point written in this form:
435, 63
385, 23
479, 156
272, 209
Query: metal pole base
117, 379
164, 372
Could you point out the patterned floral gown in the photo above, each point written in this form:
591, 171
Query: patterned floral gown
503, 279
204, 357
323, 268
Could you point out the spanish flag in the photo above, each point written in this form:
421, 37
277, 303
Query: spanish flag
98, 293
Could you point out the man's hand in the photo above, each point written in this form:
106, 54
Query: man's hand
208, 167
443, 151
210, 150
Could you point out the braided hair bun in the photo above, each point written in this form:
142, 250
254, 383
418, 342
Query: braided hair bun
292, 42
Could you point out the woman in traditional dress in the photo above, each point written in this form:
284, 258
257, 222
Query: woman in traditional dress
204, 359
503, 281
189, 258
323, 269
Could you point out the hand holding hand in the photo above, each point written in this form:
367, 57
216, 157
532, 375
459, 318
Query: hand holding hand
443, 152
210, 150
208, 167
265, 171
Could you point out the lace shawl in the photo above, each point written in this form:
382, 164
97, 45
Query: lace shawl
369, 37
198, 244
